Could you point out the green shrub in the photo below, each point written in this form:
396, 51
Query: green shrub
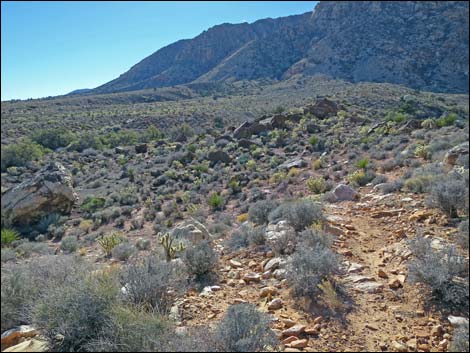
92, 204
19, 154
446, 120
85, 141
9, 236
216, 201
53, 138
362, 163
317, 185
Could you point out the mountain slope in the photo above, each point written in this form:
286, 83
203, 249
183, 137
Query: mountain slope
422, 45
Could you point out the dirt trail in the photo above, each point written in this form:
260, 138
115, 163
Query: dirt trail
387, 312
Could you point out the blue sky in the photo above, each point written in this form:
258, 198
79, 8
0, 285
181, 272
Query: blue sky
52, 48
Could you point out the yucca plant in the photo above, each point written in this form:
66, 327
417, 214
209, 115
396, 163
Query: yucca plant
362, 163
9, 236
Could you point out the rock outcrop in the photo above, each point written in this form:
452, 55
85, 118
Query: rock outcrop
49, 191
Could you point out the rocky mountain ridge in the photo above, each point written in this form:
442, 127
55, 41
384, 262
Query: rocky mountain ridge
423, 45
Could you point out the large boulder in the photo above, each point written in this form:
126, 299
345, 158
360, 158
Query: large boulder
191, 230
247, 129
49, 191
455, 152
345, 193
219, 156
323, 108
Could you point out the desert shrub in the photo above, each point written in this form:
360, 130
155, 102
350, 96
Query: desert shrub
137, 223
463, 234
245, 329
85, 141
142, 244
242, 218
200, 260
154, 283
53, 138
259, 211
120, 138
24, 284
8, 236
47, 221
123, 251
28, 248
69, 244
312, 263
379, 179
19, 154
446, 120
181, 133
317, 185
460, 340
92, 204
329, 297
451, 194
246, 235
422, 178
131, 329
361, 177
8, 255
216, 201
78, 310
299, 214
443, 271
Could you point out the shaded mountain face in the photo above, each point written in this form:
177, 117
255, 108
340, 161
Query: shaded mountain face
423, 45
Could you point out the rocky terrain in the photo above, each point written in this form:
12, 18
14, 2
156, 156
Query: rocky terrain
423, 45
272, 208
336, 223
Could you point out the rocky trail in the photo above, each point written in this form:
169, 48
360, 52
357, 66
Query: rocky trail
385, 311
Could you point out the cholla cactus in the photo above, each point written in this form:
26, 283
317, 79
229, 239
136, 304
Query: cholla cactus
166, 241
108, 243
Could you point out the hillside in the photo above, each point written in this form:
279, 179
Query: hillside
422, 45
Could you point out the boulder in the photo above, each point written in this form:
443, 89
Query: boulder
455, 152
141, 148
322, 108
49, 191
13, 336
33, 345
192, 230
245, 143
247, 129
219, 156
293, 163
345, 193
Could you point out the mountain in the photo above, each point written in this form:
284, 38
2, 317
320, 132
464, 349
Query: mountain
79, 91
423, 45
